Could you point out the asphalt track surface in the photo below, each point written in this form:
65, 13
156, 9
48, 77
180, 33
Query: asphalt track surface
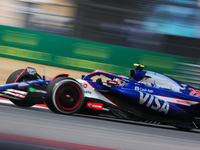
39, 128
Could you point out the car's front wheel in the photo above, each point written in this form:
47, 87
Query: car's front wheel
15, 77
64, 95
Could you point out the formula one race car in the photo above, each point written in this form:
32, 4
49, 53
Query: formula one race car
145, 96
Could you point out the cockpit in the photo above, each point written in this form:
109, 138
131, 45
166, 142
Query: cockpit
158, 80
154, 79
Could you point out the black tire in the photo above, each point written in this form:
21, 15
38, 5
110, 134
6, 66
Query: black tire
12, 78
64, 95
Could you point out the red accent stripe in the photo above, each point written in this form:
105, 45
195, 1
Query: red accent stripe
42, 105
62, 74
19, 75
178, 99
48, 143
103, 72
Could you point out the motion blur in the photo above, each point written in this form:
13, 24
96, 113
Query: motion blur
162, 26
108, 35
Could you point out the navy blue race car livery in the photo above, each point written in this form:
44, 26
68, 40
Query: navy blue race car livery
145, 96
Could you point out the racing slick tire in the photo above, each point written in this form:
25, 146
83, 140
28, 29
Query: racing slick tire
12, 78
64, 95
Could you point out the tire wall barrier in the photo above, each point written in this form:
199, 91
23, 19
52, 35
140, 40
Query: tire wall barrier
82, 55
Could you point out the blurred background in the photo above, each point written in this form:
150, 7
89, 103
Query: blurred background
169, 27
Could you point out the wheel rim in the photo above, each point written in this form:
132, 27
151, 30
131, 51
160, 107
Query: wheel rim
68, 96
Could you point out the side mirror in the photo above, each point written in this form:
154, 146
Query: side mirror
82, 76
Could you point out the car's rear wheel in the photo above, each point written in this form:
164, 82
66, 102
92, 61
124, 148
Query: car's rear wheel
64, 95
14, 77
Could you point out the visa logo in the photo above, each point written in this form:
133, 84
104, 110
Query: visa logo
153, 103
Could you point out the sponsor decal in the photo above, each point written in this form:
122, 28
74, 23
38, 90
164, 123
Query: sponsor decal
194, 92
31, 89
92, 93
177, 100
89, 92
137, 88
84, 85
92, 105
153, 103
